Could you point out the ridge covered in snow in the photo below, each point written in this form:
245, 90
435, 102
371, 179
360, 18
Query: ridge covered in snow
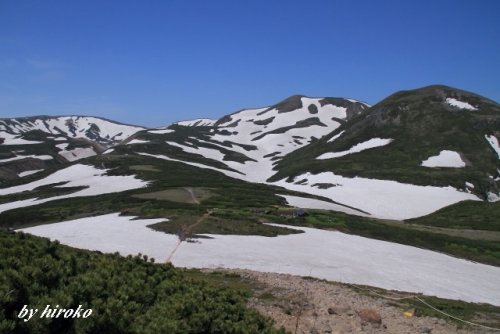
92, 128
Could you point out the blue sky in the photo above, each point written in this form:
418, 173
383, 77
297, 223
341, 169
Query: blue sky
156, 62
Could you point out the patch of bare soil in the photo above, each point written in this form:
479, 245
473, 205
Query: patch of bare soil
306, 305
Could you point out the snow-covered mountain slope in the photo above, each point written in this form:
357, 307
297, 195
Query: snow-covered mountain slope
361, 157
98, 130
248, 142
23, 141
197, 122
439, 137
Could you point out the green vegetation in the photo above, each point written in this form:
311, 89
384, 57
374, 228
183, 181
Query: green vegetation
126, 295
483, 314
465, 215
421, 125
193, 195
219, 222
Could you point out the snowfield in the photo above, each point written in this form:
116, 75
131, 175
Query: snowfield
371, 143
380, 198
95, 180
459, 104
445, 158
323, 254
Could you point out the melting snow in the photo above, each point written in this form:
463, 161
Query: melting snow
20, 157
492, 197
371, 143
160, 132
29, 172
198, 122
78, 153
459, 104
335, 137
10, 139
445, 158
311, 203
380, 198
137, 141
96, 181
494, 143
319, 253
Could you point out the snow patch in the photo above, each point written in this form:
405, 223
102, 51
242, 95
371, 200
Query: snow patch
371, 143
20, 157
29, 172
319, 253
198, 122
95, 180
378, 197
10, 139
459, 104
311, 203
161, 132
78, 153
492, 197
110, 233
137, 141
336, 136
445, 158
493, 141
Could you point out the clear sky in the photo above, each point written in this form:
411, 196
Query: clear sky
155, 62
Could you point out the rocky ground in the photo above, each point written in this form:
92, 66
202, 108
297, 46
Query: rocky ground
306, 305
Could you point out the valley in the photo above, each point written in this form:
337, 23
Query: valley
403, 195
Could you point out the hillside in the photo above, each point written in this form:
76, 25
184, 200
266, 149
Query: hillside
210, 193
31, 145
427, 148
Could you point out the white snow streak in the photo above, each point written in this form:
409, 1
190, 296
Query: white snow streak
493, 141
371, 143
29, 172
161, 132
20, 157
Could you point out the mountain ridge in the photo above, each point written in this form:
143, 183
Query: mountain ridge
300, 139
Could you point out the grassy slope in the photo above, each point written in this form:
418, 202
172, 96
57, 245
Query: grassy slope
240, 209
467, 215
422, 125
127, 295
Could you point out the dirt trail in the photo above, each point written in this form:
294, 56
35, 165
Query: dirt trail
184, 234
305, 305
193, 197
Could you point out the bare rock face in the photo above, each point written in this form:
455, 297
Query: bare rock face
370, 316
